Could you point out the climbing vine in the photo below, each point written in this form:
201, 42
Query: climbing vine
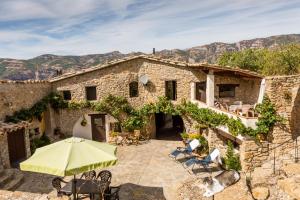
136, 118
37, 109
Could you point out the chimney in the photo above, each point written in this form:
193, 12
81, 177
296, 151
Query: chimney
153, 51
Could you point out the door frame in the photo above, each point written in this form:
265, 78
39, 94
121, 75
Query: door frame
16, 146
94, 130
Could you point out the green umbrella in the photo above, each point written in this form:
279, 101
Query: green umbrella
70, 157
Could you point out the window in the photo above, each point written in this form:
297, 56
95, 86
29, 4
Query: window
227, 90
201, 91
91, 93
171, 92
67, 95
133, 89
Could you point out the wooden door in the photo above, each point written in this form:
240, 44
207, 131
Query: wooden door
16, 146
98, 127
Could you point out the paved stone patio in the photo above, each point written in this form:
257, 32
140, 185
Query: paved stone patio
144, 172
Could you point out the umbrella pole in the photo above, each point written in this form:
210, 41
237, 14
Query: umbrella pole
74, 187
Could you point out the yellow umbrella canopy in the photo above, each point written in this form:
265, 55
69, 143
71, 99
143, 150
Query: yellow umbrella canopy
70, 157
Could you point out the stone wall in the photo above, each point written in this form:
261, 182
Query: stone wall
115, 80
253, 154
22, 94
65, 120
247, 90
216, 140
284, 92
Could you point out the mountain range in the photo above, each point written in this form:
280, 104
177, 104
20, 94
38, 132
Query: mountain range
46, 66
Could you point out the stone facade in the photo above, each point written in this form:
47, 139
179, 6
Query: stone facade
17, 95
115, 80
247, 89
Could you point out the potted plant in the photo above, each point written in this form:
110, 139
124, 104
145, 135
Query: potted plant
83, 121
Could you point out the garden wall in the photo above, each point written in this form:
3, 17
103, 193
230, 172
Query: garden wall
15, 95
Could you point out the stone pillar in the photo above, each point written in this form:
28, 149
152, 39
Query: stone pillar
261, 91
210, 89
193, 91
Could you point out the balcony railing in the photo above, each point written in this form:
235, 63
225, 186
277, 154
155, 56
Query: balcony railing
247, 121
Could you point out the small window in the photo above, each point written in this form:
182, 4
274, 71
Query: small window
201, 91
133, 89
67, 95
91, 93
171, 92
227, 90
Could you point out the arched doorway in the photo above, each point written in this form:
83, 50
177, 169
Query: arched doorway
168, 127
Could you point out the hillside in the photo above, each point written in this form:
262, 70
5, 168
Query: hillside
45, 66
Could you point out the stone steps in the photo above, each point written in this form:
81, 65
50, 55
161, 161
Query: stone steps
10, 179
7, 176
15, 183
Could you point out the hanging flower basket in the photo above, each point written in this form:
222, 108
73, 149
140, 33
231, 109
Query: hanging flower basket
83, 121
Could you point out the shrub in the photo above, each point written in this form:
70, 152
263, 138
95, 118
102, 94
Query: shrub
184, 136
39, 142
232, 161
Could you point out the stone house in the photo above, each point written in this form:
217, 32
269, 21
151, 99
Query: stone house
200, 83
142, 79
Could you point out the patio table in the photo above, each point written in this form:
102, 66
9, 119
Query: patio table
86, 187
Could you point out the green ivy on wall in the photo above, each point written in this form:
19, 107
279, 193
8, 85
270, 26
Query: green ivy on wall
136, 118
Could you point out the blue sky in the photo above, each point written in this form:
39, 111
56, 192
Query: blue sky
29, 28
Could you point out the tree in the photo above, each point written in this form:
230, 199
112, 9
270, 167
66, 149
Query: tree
284, 60
250, 59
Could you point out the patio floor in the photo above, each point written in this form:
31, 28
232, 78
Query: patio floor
144, 172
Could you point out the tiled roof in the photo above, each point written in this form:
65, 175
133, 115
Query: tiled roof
202, 66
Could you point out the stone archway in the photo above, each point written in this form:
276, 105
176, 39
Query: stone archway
168, 127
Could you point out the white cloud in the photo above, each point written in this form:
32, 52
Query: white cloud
98, 26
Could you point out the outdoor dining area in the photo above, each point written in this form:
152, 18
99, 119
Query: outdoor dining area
77, 157
236, 107
89, 185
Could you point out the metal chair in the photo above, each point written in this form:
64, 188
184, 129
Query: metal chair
91, 175
56, 183
105, 176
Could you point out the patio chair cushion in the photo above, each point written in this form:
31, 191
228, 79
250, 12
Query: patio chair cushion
193, 145
189, 149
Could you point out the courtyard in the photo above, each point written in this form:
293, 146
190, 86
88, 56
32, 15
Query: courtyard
143, 172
